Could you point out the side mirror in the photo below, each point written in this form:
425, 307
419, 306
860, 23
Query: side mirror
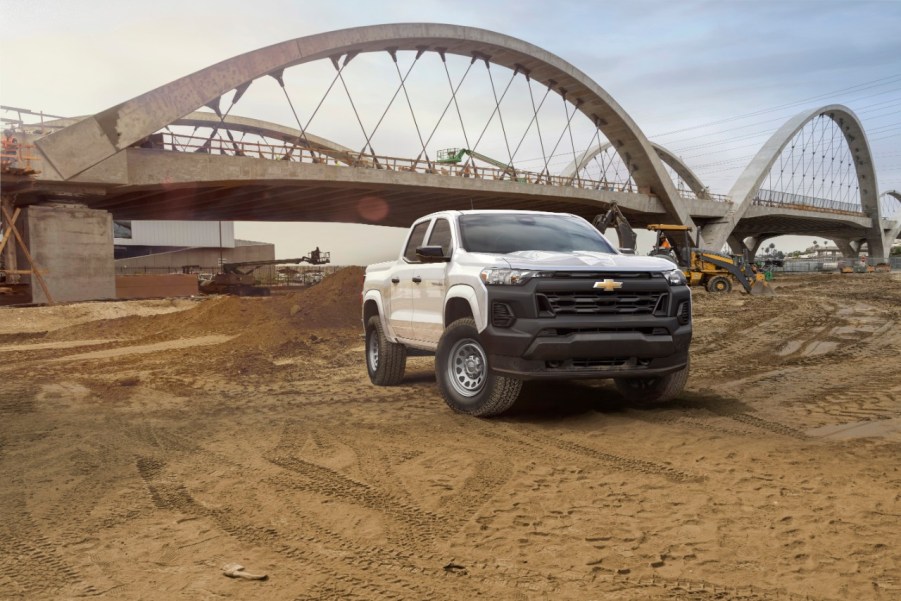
431, 254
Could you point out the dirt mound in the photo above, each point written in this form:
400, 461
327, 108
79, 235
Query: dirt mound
334, 302
262, 322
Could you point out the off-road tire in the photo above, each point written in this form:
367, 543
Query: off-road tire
658, 389
385, 360
719, 283
464, 379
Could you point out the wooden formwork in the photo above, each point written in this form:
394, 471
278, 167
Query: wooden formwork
9, 266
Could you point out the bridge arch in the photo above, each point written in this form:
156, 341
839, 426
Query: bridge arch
749, 182
668, 158
895, 231
92, 140
234, 123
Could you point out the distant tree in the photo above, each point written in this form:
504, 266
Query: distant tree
896, 251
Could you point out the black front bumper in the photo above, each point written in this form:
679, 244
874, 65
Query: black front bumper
614, 342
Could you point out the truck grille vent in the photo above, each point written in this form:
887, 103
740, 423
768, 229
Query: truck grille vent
615, 362
589, 302
684, 314
648, 331
502, 315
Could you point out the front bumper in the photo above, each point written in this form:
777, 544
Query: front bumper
542, 344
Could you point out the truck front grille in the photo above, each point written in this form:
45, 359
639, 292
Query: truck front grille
592, 302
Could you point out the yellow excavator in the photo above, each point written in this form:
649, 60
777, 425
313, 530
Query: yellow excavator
714, 270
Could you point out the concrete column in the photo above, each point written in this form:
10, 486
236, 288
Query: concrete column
878, 247
754, 244
847, 248
73, 247
739, 245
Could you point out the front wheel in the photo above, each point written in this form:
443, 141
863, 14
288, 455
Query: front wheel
656, 389
719, 283
465, 382
385, 360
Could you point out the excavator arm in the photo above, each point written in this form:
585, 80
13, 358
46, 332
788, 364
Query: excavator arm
615, 217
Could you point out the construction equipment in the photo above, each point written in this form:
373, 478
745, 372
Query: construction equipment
713, 270
455, 156
615, 217
239, 279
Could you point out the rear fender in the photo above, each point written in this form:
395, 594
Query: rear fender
374, 296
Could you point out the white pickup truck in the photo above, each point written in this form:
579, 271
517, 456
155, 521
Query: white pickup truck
505, 296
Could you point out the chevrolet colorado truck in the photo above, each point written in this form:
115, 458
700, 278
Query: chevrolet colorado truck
500, 297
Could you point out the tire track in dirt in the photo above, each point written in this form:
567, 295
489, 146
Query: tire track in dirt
175, 496
620, 462
301, 549
689, 589
768, 425
32, 561
16, 398
331, 483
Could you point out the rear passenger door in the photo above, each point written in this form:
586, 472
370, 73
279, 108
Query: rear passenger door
403, 287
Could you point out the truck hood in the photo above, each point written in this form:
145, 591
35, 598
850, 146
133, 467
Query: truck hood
584, 260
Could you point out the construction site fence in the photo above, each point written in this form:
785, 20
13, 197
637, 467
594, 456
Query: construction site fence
832, 266
265, 275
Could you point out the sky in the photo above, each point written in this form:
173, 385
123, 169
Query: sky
710, 80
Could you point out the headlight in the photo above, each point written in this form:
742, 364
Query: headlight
675, 277
506, 277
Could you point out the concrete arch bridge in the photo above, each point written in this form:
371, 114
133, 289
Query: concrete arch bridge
365, 118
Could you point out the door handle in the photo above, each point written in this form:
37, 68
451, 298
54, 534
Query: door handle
416, 279
395, 280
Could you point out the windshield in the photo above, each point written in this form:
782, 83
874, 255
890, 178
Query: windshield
507, 233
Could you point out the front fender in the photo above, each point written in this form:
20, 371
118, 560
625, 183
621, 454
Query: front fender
376, 297
476, 304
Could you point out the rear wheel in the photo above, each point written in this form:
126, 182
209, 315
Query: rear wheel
656, 389
719, 283
465, 382
385, 360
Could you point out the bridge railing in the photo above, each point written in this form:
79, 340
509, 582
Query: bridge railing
774, 198
287, 151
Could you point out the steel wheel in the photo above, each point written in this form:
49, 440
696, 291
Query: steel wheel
373, 351
467, 367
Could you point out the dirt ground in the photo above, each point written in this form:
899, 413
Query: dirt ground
145, 445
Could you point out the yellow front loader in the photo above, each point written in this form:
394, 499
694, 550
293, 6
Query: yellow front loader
713, 270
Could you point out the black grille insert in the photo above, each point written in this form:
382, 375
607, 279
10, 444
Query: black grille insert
591, 302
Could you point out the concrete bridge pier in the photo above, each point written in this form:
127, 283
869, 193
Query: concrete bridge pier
737, 245
751, 244
850, 248
879, 247
70, 245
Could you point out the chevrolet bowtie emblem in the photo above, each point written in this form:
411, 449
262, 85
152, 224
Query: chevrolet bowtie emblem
608, 285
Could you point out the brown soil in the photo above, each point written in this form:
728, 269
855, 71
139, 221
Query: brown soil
146, 445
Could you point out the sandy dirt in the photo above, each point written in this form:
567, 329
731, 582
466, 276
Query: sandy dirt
144, 446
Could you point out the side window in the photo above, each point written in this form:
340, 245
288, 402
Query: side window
415, 241
441, 236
